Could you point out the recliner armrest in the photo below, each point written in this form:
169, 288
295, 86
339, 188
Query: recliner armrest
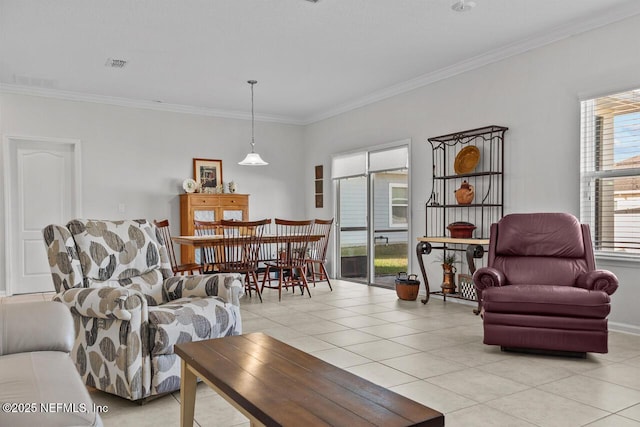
227, 286
35, 326
103, 303
488, 277
598, 280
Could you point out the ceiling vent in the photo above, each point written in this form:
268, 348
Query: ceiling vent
115, 63
463, 6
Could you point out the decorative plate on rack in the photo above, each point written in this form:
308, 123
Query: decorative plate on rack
189, 185
466, 160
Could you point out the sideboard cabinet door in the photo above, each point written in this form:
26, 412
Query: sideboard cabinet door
208, 207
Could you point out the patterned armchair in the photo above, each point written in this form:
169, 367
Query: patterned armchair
128, 308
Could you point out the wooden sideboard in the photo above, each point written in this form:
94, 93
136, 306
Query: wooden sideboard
208, 207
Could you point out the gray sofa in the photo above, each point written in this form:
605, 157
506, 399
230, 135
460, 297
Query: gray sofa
39, 383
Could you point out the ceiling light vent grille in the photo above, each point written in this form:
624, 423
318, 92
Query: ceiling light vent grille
115, 63
463, 6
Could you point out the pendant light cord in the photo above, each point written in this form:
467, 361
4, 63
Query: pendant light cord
253, 143
253, 158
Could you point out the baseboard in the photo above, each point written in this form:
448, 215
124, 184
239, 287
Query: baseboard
624, 327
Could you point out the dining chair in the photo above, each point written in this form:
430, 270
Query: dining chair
318, 251
209, 255
293, 239
240, 250
267, 253
163, 226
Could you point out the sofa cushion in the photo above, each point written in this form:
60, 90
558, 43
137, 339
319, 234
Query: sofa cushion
190, 319
50, 378
23, 328
148, 284
115, 250
521, 270
551, 235
563, 301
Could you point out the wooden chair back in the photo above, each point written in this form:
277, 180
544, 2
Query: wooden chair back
163, 227
241, 242
210, 254
318, 249
293, 251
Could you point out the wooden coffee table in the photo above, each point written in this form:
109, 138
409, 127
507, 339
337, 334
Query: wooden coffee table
274, 384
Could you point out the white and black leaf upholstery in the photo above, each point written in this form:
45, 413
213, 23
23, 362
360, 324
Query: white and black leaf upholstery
128, 308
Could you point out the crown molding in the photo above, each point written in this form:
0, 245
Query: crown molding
149, 105
496, 55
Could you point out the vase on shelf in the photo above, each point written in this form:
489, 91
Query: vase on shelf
448, 279
465, 194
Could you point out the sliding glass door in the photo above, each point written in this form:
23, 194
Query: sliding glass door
390, 220
354, 230
373, 214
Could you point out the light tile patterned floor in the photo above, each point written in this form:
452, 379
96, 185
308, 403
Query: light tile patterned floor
430, 353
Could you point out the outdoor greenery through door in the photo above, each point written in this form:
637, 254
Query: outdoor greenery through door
373, 220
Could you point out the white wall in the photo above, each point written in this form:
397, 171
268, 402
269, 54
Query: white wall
140, 157
536, 95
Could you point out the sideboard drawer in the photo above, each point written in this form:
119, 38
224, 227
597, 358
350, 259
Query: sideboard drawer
234, 200
202, 201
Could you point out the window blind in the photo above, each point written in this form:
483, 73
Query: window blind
610, 171
358, 164
347, 165
389, 159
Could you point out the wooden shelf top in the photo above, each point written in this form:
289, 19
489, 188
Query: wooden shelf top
454, 241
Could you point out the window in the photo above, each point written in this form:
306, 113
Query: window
610, 171
398, 205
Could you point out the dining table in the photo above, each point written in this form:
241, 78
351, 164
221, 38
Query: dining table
217, 239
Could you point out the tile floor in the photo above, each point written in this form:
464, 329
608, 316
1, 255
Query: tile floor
430, 353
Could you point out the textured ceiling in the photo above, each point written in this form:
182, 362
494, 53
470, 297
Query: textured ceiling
311, 60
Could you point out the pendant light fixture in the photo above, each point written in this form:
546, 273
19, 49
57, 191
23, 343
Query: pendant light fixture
253, 158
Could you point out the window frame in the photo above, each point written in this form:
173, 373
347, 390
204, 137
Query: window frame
392, 224
595, 144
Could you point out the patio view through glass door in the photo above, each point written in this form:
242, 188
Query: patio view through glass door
373, 215
390, 206
354, 232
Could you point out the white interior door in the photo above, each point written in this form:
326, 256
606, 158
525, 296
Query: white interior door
43, 189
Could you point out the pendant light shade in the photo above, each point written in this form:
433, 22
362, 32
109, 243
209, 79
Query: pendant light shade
253, 158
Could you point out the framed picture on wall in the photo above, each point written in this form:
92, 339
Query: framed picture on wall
207, 173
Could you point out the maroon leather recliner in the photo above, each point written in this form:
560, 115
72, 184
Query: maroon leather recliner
540, 289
